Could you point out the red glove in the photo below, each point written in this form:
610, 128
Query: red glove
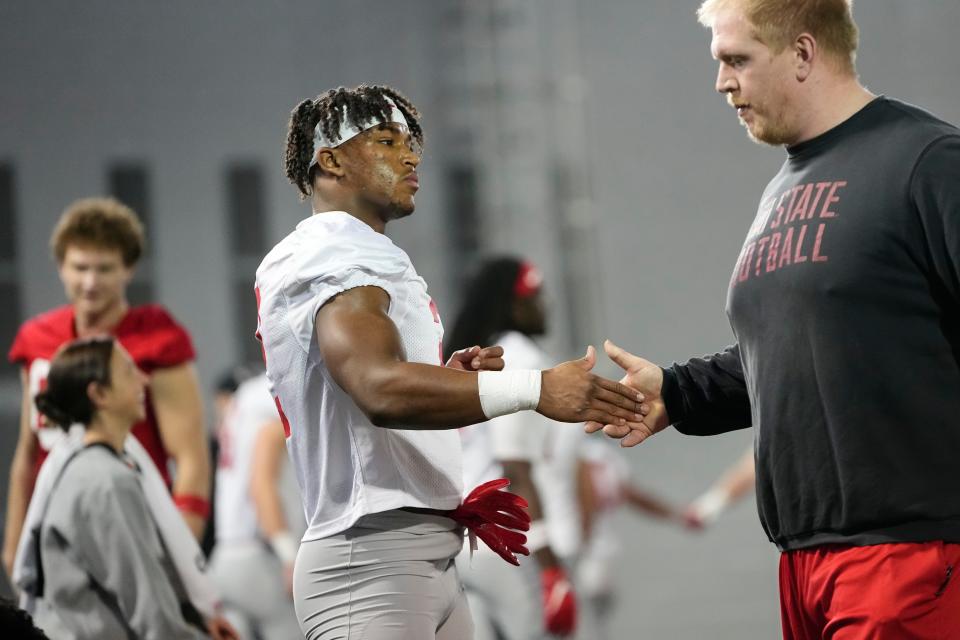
559, 603
494, 516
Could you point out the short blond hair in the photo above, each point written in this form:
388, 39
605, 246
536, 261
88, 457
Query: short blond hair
778, 22
100, 223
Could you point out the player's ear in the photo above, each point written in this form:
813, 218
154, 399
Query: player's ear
329, 161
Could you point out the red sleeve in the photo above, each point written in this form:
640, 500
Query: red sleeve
161, 341
19, 349
42, 335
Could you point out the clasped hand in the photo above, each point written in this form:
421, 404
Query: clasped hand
647, 378
571, 393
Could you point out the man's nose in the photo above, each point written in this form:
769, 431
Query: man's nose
726, 82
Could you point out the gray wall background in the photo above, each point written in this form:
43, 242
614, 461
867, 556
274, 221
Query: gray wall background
671, 178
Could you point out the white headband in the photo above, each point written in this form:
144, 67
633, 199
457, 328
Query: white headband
348, 130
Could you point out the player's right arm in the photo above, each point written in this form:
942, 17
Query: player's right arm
361, 348
21, 476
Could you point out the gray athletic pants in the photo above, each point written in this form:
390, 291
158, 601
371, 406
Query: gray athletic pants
504, 599
255, 598
391, 576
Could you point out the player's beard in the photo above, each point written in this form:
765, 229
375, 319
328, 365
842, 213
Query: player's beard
399, 209
388, 192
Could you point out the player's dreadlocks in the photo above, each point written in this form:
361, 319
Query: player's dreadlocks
362, 104
487, 310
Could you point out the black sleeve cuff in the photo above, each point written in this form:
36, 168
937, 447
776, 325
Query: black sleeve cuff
672, 396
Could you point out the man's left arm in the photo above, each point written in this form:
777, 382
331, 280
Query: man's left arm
179, 409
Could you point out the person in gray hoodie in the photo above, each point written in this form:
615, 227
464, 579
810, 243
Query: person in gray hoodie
104, 569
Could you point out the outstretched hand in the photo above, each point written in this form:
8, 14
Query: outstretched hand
477, 359
647, 378
569, 392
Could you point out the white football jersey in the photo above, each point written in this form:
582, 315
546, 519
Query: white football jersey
609, 472
346, 466
556, 480
552, 448
523, 435
251, 410
516, 436
479, 465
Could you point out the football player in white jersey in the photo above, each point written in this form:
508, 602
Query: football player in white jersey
352, 345
504, 305
605, 487
258, 515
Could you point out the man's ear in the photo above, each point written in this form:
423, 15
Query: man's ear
805, 54
328, 160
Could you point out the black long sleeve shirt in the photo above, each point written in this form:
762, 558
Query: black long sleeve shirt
845, 303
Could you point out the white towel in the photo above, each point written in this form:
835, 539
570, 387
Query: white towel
184, 552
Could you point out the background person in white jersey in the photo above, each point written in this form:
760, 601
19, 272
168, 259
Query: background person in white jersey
258, 504
736, 482
352, 344
606, 488
504, 305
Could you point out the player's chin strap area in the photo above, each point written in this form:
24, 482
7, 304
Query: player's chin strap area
495, 516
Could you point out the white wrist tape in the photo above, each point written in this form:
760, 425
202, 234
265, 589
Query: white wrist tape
285, 546
710, 505
537, 537
503, 392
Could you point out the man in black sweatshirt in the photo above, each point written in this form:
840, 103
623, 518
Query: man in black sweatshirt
845, 303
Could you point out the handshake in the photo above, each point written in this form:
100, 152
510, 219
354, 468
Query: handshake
631, 410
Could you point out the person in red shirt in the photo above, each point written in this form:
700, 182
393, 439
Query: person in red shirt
97, 244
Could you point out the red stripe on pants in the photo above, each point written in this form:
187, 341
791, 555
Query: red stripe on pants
883, 592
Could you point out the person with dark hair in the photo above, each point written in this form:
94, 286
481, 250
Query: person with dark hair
328, 118
352, 343
503, 304
96, 245
503, 296
845, 303
104, 568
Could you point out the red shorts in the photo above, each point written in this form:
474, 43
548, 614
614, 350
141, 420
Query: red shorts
882, 592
